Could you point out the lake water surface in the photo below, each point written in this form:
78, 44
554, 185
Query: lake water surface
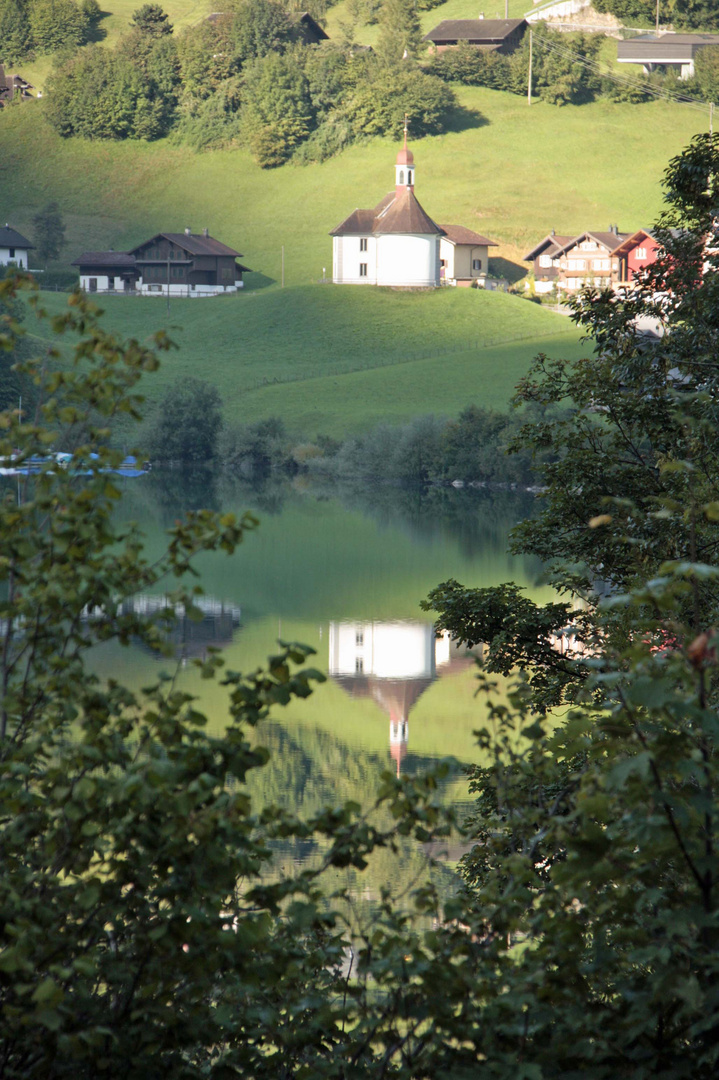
344, 572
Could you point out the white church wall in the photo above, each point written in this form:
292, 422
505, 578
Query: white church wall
387, 650
350, 255
407, 261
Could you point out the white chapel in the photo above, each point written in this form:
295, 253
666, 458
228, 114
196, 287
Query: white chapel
397, 244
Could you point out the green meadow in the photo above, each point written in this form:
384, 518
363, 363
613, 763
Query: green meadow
507, 170
337, 360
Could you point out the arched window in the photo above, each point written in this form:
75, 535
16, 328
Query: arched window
401, 176
409, 176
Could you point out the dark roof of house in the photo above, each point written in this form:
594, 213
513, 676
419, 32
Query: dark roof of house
12, 238
609, 240
395, 214
666, 48
192, 243
105, 258
484, 30
457, 234
553, 242
311, 24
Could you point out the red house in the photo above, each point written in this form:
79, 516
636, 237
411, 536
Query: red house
634, 253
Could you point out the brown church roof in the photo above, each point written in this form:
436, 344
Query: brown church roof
400, 214
457, 234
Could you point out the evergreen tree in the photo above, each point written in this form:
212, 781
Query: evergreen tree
260, 27
56, 24
49, 232
276, 111
151, 20
188, 423
15, 35
706, 67
695, 15
95, 94
400, 36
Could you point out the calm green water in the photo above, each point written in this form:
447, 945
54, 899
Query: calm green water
343, 572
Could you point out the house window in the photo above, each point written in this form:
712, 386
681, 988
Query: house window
601, 264
476, 264
363, 269
641, 253
545, 260
227, 274
363, 243
12, 253
92, 284
359, 637
359, 665
588, 245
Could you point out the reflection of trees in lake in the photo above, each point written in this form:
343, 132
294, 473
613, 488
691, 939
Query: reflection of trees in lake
310, 768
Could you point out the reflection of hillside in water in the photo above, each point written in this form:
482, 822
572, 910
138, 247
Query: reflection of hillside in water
393, 663
189, 637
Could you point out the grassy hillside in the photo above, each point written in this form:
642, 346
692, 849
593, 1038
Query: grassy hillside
512, 172
336, 360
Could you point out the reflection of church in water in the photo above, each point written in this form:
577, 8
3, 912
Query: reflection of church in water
391, 662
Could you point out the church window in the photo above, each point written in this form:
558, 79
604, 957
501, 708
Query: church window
409, 176
363, 269
363, 243
401, 176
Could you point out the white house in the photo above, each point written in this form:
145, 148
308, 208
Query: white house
14, 248
398, 244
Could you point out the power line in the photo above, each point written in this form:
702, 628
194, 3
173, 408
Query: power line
622, 80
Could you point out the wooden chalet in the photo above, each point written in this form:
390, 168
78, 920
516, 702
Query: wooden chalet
570, 263
634, 253
490, 35
187, 263
169, 264
13, 87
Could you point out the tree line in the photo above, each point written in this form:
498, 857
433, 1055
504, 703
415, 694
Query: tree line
30, 27
246, 76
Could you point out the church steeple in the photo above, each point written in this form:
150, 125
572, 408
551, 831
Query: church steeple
404, 169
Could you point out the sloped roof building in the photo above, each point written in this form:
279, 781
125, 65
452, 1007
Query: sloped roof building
397, 244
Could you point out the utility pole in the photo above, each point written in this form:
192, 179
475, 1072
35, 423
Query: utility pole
168, 279
657, 23
711, 117
506, 9
529, 80
283, 266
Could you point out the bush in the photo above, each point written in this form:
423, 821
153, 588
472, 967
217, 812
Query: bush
56, 24
15, 35
473, 67
255, 450
188, 423
276, 111
379, 104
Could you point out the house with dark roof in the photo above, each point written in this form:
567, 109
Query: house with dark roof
398, 244
13, 87
463, 255
107, 271
635, 253
665, 52
169, 264
14, 248
491, 35
570, 263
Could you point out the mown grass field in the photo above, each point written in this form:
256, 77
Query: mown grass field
337, 360
510, 171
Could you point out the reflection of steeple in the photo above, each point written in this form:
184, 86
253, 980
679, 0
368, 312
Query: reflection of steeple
392, 662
